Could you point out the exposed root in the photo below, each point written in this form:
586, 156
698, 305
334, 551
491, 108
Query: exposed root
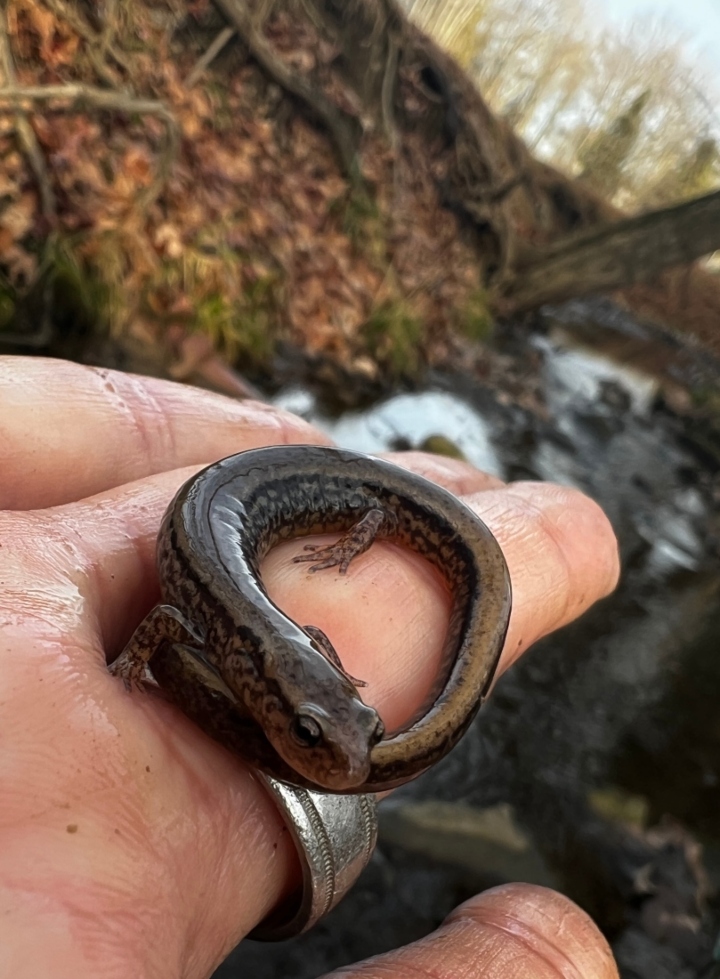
79, 97
26, 134
345, 130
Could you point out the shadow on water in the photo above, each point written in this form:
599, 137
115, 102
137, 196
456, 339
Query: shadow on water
595, 767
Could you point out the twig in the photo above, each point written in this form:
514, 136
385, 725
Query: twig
497, 192
209, 56
98, 44
97, 98
26, 134
387, 97
108, 32
388, 91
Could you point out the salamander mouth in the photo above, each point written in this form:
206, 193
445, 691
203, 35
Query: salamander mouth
341, 783
338, 778
329, 771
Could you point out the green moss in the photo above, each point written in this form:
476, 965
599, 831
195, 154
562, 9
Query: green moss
440, 445
393, 335
78, 291
359, 209
475, 320
706, 397
620, 806
223, 116
248, 328
215, 317
364, 224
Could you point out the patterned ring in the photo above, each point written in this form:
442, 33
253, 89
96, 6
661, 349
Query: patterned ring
335, 836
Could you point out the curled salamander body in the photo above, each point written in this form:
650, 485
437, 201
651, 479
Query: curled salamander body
275, 692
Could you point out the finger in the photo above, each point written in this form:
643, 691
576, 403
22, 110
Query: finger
561, 552
122, 828
586, 548
455, 475
514, 932
69, 431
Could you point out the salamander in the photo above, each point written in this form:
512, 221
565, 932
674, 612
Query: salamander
275, 692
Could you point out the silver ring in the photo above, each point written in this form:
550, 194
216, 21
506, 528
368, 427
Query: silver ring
335, 836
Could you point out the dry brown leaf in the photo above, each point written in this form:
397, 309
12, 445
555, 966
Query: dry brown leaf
235, 167
63, 50
191, 125
20, 265
42, 20
236, 187
9, 189
168, 240
137, 166
58, 44
6, 240
19, 217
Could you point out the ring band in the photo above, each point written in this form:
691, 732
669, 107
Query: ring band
335, 837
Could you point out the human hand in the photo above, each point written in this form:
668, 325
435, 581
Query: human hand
130, 843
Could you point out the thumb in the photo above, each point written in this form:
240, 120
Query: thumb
518, 931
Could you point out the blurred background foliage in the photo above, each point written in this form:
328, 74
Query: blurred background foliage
631, 111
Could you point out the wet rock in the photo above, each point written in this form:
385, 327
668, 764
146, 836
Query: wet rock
485, 844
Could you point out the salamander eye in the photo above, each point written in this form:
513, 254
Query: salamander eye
306, 731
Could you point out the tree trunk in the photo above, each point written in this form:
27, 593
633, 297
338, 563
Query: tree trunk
621, 254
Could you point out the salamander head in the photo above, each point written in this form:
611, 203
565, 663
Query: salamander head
330, 747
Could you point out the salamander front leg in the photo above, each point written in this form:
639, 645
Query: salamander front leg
321, 642
163, 624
